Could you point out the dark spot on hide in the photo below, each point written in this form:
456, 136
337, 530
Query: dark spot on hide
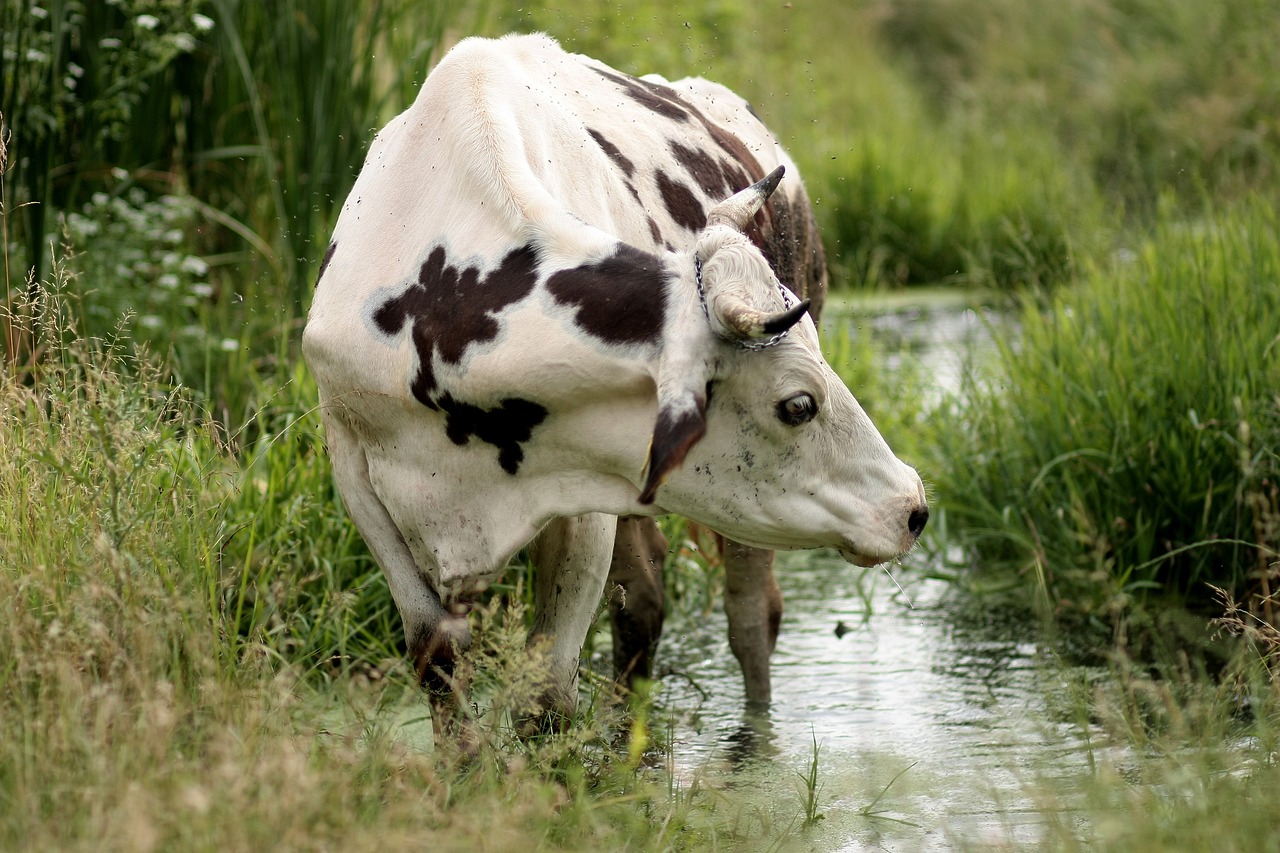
448, 310
451, 309
620, 300
324, 264
704, 169
793, 248
681, 203
783, 230
673, 435
660, 99
506, 427
655, 232
620, 160
738, 153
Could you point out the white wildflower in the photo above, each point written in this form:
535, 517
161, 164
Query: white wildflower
195, 265
109, 43
204, 291
168, 281
229, 345
150, 321
147, 22
202, 23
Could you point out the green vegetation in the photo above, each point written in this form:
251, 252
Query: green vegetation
1126, 440
201, 652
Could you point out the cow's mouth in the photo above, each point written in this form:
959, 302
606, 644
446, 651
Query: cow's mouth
863, 560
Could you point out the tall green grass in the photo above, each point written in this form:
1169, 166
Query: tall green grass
1147, 96
1124, 442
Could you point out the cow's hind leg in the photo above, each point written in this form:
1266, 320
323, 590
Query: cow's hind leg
434, 636
570, 558
636, 597
753, 603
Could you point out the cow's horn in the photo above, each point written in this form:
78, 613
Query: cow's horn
738, 209
744, 323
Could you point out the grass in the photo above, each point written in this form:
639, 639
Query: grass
1123, 445
1182, 762
810, 788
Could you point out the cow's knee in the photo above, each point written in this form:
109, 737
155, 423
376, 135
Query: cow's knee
435, 651
636, 597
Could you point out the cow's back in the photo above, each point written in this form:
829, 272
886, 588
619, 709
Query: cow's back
515, 132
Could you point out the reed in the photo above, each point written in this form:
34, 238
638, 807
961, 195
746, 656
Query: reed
1123, 444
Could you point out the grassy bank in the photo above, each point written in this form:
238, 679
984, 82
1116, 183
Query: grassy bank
1124, 444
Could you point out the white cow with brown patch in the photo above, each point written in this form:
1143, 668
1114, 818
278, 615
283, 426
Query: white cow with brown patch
558, 295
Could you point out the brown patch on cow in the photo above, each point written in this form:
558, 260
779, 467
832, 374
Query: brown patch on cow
324, 264
655, 232
673, 436
506, 427
620, 300
451, 309
448, 310
793, 248
735, 176
736, 149
612, 151
662, 100
681, 203
703, 168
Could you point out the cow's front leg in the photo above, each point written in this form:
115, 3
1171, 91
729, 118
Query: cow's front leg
435, 636
570, 558
636, 597
435, 652
753, 603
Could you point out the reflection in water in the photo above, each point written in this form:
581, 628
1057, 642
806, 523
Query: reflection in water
752, 741
958, 698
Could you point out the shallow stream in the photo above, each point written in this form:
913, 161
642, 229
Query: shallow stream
933, 722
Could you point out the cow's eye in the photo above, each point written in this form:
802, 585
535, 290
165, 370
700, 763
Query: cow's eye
797, 410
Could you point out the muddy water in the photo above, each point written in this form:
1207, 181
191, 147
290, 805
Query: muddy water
933, 719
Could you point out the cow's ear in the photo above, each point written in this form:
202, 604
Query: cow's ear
678, 428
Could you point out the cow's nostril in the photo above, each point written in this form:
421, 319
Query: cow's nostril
917, 520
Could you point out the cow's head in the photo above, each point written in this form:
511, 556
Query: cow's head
756, 435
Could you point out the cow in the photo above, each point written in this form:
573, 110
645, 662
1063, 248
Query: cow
558, 296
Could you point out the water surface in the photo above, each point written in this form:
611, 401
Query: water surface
888, 682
